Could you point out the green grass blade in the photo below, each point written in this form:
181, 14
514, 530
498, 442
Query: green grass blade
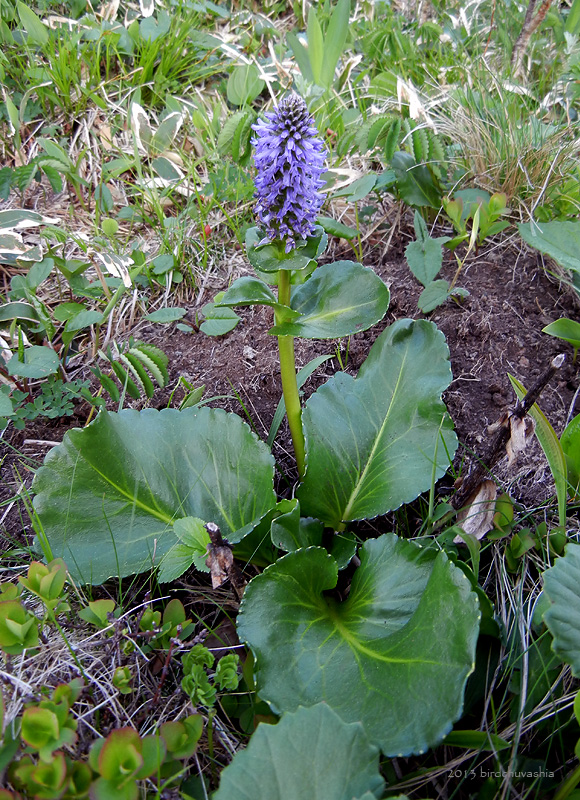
315, 46
335, 40
552, 448
301, 56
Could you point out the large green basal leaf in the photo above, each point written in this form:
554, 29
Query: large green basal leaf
338, 300
562, 586
108, 496
395, 655
559, 240
371, 442
310, 754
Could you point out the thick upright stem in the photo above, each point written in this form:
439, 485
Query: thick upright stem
288, 373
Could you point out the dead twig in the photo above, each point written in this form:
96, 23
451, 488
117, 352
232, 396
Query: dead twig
504, 427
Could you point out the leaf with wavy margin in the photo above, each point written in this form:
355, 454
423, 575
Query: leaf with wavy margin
395, 655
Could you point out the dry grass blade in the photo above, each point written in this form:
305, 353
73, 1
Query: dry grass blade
503, 146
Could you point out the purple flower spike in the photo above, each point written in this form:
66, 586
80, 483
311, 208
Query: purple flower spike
289, 160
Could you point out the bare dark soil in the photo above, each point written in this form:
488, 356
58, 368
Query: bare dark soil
496, 330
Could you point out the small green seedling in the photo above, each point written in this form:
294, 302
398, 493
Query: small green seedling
45, 781
122, 680
97, 612
425, 258
196, 681
120, 760
527, 539
46, 582
182, 737
9, 591
47, 726
172, 624
463, 208
18, 628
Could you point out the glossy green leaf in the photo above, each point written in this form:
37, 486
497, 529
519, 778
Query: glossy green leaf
272, 257
6, 408
358, 189
109, 495
39, 272
10, 311
310, 754
244, 84
39, 362
165, 168
395, 655
20, 218
168, 129
562, 586
218, 321
165, 315
566, 329
291, 532
315, 45
573, 19
371, 441
84, 319
559, 240
247, 291
433, 295
570, 444
301, 55
190, 549
415, 182
476, 740
338, 300
32, 24
424, 255
335, 228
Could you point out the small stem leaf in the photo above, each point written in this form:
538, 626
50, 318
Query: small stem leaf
248, 291
339, 299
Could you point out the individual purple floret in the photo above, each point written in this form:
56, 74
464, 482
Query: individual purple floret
289, 159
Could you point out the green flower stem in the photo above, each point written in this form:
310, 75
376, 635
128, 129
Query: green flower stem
566, 788
288, 372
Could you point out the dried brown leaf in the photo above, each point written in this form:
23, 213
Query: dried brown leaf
476, 518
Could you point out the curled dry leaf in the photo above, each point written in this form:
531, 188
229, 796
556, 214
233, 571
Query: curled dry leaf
520, 431
476, 518
109, 10
220, 561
